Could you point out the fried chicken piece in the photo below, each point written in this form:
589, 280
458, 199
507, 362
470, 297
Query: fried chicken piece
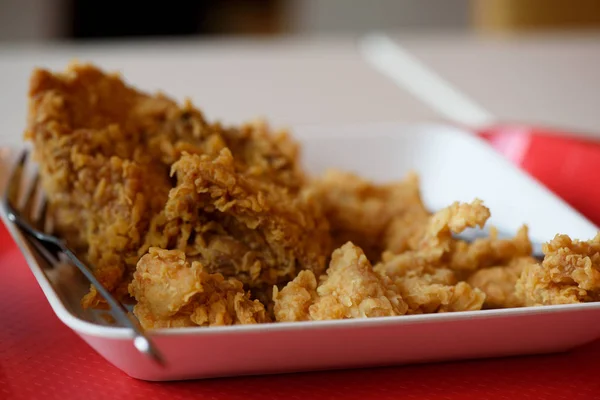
490, 251
350, 289
101, 191
453, 219
148, 128
424, 295
498, 283
403, 229
240, 226
417, 262
362, 212
267, 155
434, 241
426, 285
293, 302
105, 151
421, 274
569, 273
101, 204
172, 292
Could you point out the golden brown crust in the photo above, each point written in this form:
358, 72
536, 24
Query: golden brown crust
490, 251
432, 245
423, 274
349, 289
105, 152
238, 225
372, 216
455, 218
172, 292
426, 285
570, 273
293, 302
498, 283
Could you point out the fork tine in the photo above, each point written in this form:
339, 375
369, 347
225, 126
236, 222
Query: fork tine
50, 256
40, 221
14, 182
30, 197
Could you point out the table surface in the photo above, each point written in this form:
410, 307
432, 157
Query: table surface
550, 80
547, 80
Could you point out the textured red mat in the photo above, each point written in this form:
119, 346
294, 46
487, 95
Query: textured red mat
40, 358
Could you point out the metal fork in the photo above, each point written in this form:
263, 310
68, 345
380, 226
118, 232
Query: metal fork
33, 227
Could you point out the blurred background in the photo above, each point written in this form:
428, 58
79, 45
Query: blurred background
43, 20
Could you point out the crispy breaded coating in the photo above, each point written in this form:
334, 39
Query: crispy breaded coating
105, 151
424, 294
569, 273
403, 229
421, 274
498, 283
363, 212
350, 289
101, 190
172, 292
434, 240
432, 243
490, 251
238, 225
293, 302
426, 285
415, 261
453, 219
147, 128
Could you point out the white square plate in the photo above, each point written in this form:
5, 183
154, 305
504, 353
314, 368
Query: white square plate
453, 165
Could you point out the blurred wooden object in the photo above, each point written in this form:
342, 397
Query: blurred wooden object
528, 15
98, 20
243, 17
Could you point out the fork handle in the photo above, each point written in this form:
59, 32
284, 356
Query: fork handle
140, 340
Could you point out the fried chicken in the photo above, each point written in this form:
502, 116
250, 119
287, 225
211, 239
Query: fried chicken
422, 274
569, 273
208, 225
238, 225
105, 151
498, 283
293, 302
349, 289
369, 215
426, 285
434, 239
490, 251
172, 292
469, 262
457, 217
432, 243
101, 190
426, 294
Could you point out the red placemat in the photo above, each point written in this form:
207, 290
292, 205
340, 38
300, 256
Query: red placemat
40, 358
567, 164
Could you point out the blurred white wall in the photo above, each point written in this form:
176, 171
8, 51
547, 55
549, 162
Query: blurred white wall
332, 16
